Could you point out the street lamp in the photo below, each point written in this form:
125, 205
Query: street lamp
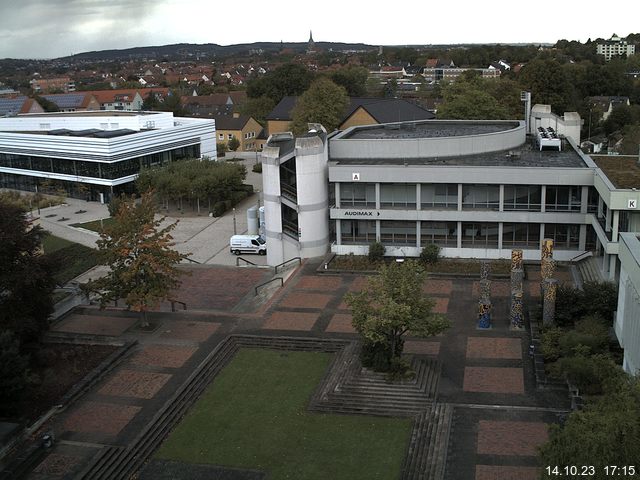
235, 232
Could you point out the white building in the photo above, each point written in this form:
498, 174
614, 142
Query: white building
627, 320
102, 150
614, 47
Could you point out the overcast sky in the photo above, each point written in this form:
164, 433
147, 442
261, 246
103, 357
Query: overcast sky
55, 28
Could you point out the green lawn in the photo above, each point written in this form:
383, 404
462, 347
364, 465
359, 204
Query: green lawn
254, 416
95, 225
70, 259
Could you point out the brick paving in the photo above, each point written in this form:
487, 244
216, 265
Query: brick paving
303, 321
511, 438
443, 287
493, 380
442, 305
325, 283
185, 330
132, 383
305, 300
498, 289
165, 356
421, 347
499, 472
341, 323
494, 347
358, 284
219, 288
105, 418
56, 465
95, 324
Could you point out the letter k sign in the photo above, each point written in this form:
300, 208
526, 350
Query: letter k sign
632, 204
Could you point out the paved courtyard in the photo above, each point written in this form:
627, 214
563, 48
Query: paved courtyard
499, 416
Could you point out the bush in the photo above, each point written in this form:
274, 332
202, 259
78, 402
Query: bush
430, 254
592, 375
233, 144
376, 252
221, 148
14, 373
114, 204
550, 344
257, 168
218, 209
598, 298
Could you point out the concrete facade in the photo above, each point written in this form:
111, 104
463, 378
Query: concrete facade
627, 317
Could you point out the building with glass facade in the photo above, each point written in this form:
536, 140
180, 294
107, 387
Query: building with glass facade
477, 189
96, 153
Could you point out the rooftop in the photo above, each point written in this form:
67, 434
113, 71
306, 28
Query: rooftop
622, 170
526, 155
430, 129
91, 113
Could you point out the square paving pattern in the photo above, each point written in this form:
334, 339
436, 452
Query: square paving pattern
305, 300
493, 380
489, 347
358, 284
499, 472
341, 323
511, 438
215, 288
56, 465
185, 330
291, 321
166, 356
498, 289
105, 418
131, 383
442, 305
443, 287
421, 347
95, 324
319, 283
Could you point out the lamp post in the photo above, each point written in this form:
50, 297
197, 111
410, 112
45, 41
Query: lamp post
234, 222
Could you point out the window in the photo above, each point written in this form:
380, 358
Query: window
398, 195
480, 235
358, 231
523, 197
398, 232
444, 234
230, 136
221, 136
480, 197
563, 199
565, 237
357, 195
439, 196
521, 235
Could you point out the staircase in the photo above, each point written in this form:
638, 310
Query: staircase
589, 269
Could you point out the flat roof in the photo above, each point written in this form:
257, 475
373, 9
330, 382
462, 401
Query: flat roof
90, 113
622, 170
429, 129
526, 155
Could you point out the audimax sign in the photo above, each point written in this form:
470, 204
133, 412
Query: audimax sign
361, 213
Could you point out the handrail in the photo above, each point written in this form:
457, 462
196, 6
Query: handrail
173, 304
267, 283
586, 254
290, 260
244, 260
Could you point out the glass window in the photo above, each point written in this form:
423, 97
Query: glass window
521, 235
444, 234
522, 197
357, 195
41, 164
439, 195
480, 235
61, 165
480, 197
563, 199
358, 231
398, 232
398, 195
565, 237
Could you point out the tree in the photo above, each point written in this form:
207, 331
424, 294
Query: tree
469, 99
26, 276
233, 144
14, 373
353, 79
258, 108
47, 105
392, 304
548, 83
288, 79
605, 432
138, 250
324, 102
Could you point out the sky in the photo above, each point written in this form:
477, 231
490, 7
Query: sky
56, 28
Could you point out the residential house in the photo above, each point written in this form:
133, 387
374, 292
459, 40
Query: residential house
607, 103
614, 47
127, 100
73, 102
244, 128
47, 85
10, 106
212, 105
359, 111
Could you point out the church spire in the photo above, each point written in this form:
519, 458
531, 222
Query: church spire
310, 36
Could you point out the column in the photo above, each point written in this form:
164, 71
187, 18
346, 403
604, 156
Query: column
418, 240
459, 234
459, 197
607, 221
549, 301
584, 204
378, 201
517, 276
377, 230
338, 232
582, 239
501, 203
418, 197
500, 230
543, 200
615, 224
612, 267
337, 193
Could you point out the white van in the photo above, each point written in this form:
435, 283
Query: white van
247, 243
